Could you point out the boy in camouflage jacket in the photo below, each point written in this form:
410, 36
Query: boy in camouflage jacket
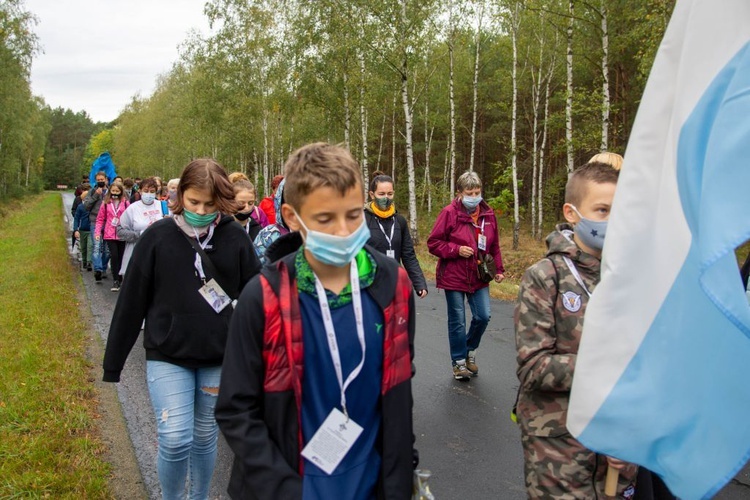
552, 301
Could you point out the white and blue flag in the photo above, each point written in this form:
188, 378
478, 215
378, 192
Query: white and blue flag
663, 371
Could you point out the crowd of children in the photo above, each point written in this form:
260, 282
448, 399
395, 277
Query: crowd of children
252, 351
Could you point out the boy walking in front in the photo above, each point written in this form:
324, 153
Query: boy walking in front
549, 315
315, 397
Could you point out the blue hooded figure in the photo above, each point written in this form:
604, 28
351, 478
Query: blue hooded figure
104, 164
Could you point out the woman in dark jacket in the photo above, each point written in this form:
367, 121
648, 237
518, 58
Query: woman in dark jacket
182, 278
389, 233
464, 231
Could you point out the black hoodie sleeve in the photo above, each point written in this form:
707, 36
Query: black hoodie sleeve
240, 407
409, 258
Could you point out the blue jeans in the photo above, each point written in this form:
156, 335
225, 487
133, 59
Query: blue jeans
99, 254
460, 340
184, 400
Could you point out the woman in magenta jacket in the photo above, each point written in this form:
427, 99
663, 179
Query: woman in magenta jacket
464, 230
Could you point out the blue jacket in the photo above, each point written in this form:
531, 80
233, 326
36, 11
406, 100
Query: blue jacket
81, 219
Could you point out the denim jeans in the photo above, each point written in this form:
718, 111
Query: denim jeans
184, 400
100, 255
460, 340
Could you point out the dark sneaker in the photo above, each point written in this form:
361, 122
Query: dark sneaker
471, 364
115, 286
460, 372
98, 276
88, 268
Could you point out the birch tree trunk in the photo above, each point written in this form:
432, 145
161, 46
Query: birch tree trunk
427, 154
542, 146
452, 119
409, 155
569, 92
347, 112
265, 145
363, 119
536, 90
477, 39
605, 79
380, 146
514, 167
393, 139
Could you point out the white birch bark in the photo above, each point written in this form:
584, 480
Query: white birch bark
605, 79
542, 146
409, 156
452, 119
393, 139
477, 40
569, 92
514, 40
536, 90
380, 146
347, 111
363, 119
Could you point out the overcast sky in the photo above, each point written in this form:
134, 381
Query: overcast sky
99, 53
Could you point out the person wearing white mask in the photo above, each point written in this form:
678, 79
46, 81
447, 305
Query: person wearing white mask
464, 233
137, 218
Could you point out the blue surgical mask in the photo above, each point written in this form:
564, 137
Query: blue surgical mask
590, 232
148, 198
471, 202
333, 250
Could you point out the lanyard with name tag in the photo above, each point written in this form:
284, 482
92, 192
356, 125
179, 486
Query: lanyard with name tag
390, 252
211, 291
338, 433
481, 238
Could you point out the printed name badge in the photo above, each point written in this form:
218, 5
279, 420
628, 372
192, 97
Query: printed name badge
216, 297
482, 242
332, 441
391, 253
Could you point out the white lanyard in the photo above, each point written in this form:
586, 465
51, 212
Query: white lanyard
577, 276
115, 209
198, 260
333, 345
481, 229
388, 238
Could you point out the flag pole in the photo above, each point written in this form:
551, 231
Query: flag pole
610, 485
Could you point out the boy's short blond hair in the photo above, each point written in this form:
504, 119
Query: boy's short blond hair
612, 159
577, 186
319, 165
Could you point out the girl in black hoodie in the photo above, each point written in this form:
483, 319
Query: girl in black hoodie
182, 278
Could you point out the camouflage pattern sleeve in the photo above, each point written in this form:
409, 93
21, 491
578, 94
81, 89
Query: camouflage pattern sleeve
541, 367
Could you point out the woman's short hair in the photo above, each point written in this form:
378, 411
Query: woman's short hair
206, 174
468, 180
148, 183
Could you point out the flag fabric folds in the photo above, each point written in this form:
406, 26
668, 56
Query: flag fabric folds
662, 377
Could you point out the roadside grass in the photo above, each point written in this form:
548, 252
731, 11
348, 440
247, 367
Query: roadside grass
49, 445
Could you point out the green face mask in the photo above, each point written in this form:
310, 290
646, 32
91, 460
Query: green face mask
384, 203
196, 220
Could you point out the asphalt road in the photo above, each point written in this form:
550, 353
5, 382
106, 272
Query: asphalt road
464, 433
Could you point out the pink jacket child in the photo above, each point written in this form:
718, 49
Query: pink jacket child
454, 228
108, 219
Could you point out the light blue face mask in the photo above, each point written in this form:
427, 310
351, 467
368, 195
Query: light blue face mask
590, 232
333, 250
471, 202
148, 198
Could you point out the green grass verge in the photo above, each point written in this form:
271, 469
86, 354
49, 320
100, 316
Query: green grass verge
49, 445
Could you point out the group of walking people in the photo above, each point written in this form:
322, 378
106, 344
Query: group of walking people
293, 333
